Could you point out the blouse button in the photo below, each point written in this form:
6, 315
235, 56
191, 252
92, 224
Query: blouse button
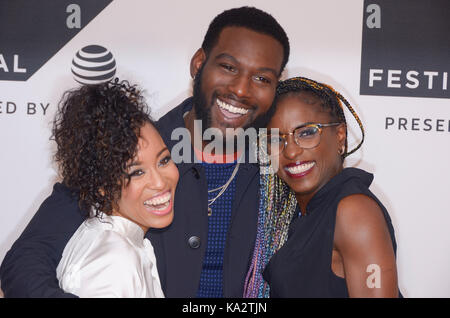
194, 242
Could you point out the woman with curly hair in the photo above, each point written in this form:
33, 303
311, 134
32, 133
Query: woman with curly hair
110, 153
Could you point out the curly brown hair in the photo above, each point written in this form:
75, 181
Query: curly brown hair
96, 129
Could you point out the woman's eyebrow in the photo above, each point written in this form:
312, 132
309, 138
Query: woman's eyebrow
161, 151
303, 125
134, 163
137, 163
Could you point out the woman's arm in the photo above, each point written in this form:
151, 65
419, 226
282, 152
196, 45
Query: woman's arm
362, 238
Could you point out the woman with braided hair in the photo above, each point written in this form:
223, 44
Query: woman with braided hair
321, 231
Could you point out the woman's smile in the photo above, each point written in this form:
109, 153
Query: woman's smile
299, 169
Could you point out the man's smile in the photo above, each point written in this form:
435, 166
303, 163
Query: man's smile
232, 110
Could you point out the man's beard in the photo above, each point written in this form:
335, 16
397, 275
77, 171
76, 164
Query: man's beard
203, 109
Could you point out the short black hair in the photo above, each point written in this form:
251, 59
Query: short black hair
250, 18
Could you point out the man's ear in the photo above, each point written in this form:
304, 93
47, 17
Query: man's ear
197, 61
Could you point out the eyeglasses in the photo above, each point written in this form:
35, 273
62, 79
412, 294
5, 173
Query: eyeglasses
306, 136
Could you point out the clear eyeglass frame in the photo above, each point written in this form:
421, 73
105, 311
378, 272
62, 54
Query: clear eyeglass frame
306, 136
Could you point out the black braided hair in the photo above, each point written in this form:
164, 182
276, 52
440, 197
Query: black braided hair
330, 100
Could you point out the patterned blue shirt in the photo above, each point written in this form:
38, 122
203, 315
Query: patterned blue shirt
211, 278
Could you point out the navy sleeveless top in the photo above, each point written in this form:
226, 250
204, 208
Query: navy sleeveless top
302, 266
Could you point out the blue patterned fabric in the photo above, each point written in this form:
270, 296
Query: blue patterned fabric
211, 278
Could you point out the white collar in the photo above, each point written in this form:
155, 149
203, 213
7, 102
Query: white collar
122, 226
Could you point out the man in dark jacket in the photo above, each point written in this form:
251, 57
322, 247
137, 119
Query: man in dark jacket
206, 251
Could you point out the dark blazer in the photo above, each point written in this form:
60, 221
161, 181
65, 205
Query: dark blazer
29, 268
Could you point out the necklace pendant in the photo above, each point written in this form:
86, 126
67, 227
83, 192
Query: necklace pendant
209, 211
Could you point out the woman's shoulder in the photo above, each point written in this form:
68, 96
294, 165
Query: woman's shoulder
354, 179
108, 241
355, 201
360, 219
352, 187
98, 238
98, 256
358, 205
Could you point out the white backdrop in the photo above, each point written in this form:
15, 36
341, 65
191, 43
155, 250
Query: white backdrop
153, 42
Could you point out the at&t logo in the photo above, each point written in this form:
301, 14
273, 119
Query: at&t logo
93, 64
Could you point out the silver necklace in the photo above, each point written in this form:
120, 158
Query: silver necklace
222, 189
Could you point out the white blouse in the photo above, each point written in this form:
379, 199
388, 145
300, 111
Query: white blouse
109, 257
